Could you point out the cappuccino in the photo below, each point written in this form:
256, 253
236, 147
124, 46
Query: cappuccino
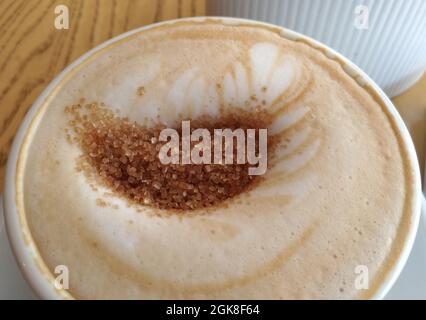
337, 196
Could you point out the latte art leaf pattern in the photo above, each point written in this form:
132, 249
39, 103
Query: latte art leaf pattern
272, 80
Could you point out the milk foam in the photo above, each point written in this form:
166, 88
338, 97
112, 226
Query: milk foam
333, 198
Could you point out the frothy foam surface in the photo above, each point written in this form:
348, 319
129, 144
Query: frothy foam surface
337, 195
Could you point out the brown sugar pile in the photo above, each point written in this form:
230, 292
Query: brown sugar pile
123, 155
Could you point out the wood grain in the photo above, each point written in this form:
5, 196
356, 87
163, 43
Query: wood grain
412, 107
33, 51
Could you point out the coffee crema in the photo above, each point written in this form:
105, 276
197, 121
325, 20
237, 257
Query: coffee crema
338, 192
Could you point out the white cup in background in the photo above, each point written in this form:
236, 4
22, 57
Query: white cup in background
385, 38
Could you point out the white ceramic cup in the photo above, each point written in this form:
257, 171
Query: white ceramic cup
385, 38
32, 266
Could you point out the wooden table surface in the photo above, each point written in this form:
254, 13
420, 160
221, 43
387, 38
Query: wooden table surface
412, 107
33, 51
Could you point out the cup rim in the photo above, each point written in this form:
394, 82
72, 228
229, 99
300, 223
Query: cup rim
30, 261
